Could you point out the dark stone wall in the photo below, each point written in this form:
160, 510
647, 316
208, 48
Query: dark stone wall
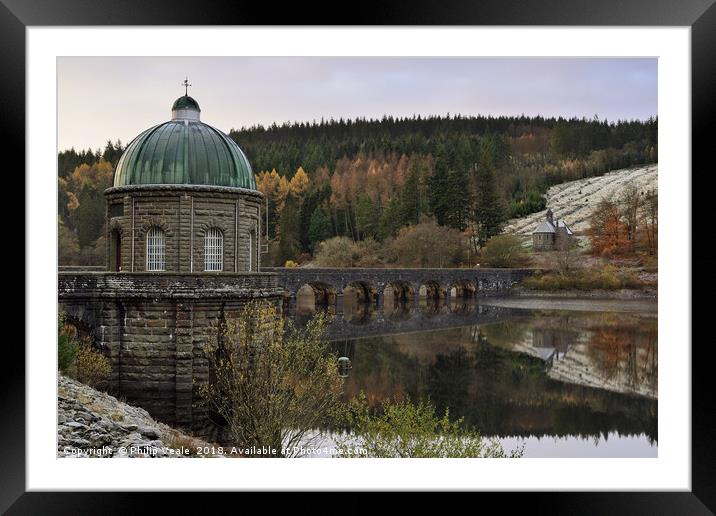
184, 213
153, 327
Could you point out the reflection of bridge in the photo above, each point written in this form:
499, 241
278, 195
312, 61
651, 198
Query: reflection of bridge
371, 285
365, 320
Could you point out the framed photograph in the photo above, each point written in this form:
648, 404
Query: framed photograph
425, 252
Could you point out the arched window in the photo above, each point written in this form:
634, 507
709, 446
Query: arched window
155, 249
214, 250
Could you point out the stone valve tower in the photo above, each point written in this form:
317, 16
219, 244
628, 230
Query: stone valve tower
183, 222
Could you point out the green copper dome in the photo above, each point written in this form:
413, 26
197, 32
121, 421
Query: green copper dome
184, 151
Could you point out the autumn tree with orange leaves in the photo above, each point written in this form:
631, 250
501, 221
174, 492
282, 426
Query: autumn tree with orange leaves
626, 225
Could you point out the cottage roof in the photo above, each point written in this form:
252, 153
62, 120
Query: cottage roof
563, 224
544, 227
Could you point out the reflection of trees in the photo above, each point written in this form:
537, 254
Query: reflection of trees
474, 372
448, 380
379, 369
628, 353
610, 346
502, 392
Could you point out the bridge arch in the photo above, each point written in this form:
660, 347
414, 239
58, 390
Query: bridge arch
463, 288
432, 289
398, 291
323, 294
360, 291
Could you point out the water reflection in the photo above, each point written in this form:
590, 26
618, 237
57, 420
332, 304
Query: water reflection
616, 352
585, 376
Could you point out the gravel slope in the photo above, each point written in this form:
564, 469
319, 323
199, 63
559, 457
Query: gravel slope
574, 201
97, 425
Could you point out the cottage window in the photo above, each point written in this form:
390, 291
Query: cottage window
155, 249
214, 250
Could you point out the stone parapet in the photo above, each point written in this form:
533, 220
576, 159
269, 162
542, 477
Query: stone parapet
207, 285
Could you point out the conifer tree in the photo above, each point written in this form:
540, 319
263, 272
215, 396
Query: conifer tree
412, 205
449, 189
288, 248
308, 207
367, 218
390, 219
489, 212
320, 228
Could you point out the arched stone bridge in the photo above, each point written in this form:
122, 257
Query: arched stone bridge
330, 285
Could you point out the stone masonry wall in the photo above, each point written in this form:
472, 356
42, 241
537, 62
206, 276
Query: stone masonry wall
153, 328
542, 241
484, 281
184, 213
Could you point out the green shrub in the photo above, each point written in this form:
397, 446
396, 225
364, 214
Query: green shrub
272, 382
402, 429
504, 251
66, 345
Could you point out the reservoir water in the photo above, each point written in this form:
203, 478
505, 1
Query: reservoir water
567, 378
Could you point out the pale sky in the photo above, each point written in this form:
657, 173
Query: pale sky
110, 98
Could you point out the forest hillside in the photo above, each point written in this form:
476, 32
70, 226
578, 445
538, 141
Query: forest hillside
382, 184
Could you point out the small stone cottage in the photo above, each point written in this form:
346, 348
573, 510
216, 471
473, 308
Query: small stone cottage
550, 235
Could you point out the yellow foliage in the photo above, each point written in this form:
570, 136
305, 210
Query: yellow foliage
98, 176
274, 186
267, 183
92, 367
283, 189
299, 182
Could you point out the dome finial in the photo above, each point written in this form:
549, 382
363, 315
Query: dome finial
186, 107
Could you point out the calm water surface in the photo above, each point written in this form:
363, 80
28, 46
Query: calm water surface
565, 382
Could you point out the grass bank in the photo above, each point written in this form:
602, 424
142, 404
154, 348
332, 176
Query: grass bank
606, 278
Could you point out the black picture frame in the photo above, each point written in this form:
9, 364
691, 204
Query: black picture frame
700, 15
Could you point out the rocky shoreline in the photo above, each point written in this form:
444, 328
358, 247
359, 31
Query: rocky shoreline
94, 424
